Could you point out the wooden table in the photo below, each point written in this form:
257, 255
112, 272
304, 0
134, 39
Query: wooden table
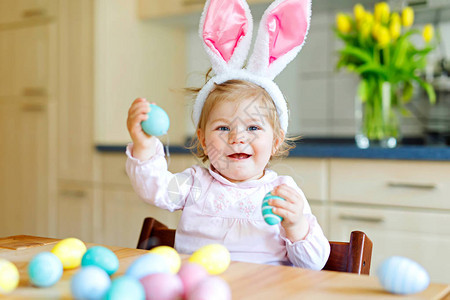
247, 281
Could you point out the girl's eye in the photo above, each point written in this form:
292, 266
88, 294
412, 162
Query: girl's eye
253, 128
223, 128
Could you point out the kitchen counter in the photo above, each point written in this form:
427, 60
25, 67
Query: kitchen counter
412, 149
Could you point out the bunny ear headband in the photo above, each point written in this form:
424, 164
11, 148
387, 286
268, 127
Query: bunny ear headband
226, 31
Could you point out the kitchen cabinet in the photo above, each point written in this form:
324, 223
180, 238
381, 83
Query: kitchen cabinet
76, 211
402, 206
18, 12
421, 235
25, 166
159, 9
76, 153
27, 119
27, 69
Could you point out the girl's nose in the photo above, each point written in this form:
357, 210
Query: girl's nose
236, 136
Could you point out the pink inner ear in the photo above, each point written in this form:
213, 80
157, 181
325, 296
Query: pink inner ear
287, 26
225, 25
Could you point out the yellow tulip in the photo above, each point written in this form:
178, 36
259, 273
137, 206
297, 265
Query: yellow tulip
343, 23
395, 28
428, 32
365, 29
383, 37
368, 17
376, 29
359, 12
407, 16
382, 12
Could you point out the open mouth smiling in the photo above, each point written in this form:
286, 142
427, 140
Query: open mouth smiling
239, 156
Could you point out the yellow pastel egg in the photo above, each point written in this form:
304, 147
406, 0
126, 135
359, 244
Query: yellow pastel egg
215, 258
9, 276
70, 251
171, 255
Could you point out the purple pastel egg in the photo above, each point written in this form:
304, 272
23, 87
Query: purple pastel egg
162, 286
191, 274
212, 287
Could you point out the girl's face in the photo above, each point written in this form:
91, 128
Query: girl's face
239, 139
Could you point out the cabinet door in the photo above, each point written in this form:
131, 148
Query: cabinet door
16, 11
75, 91
309, 174
75, 212
31, 59
320, 211
422, 236
124, 213
24, 167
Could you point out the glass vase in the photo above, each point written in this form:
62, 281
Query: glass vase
376, 116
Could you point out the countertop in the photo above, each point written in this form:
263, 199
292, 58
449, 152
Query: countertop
410, 149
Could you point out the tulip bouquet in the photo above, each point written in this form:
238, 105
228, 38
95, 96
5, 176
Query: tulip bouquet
378, 47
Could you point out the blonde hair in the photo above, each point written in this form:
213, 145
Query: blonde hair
233, 90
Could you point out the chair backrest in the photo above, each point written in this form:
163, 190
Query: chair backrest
351, 257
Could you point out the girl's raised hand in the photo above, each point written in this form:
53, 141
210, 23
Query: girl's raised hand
291, 210
143, 144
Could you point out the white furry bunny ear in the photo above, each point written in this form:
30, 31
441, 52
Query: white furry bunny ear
281, 36
226, 28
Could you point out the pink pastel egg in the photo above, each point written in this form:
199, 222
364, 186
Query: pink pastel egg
162, 286
191, 274
212, 287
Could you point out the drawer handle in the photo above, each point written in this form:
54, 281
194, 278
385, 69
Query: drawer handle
34, 92
33, 107
74, 194
34, 12
192, 2
361, 218
423, 186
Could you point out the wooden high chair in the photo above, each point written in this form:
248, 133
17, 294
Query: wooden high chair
351, 257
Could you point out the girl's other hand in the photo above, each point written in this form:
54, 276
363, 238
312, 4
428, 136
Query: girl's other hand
291, 210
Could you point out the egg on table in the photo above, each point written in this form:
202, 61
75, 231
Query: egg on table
401, 275
9, 276
159, 286
101, 257
212, 287
148, 264
171, 255
215, 258
45, 269
125, 287
70, 251
90, 283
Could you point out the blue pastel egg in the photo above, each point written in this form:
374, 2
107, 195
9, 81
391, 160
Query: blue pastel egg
125, 287
101, 257
45, 269
90, 283
267, 212
157, 123
148, 264
401, 275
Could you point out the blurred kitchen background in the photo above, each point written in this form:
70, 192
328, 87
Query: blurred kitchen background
69, 70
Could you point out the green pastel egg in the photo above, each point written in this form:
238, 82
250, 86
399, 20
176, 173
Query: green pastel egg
268, 215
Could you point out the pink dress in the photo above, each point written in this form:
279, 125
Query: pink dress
216, 210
